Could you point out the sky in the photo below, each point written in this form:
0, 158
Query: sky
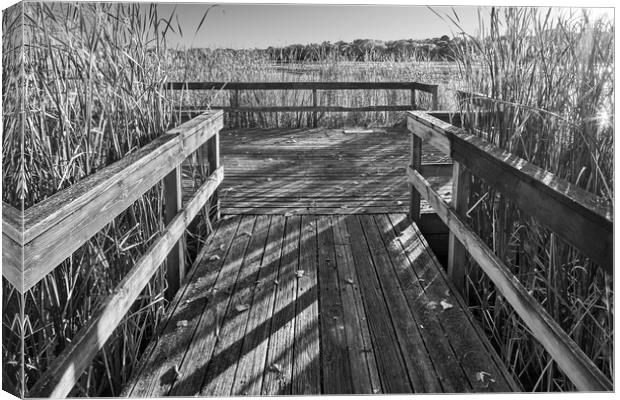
263, 25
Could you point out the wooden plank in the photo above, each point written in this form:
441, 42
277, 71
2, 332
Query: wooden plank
457, 255
471, 355
415, 355
313, 109
175, 262
57, 226
154, 375
64, 371
213, 157
363, 366
477, 353
249, 375
12, 250
441, 352
393, 373
569, 357
222, 366
192, 370
335, 359
306, 358
416, 163
582, 219
279, 365
299, 86
430, 130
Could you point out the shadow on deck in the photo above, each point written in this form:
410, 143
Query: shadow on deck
318, 304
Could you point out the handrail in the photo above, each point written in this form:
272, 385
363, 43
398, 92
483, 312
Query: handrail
540, 194
301, 86
36, 241
314, 86
54, 228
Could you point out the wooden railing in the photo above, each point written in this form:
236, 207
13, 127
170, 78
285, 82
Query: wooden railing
236, 87
37, 241
577, 216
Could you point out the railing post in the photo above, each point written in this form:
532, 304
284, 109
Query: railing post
435, 97
173, 198
413, 102
314, 104
416, 164
235, 104
457, 254
213, 157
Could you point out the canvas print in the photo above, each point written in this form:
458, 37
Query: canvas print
205, 199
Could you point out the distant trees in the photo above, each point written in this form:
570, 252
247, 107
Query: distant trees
434, 49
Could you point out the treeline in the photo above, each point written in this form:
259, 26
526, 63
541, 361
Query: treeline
435, 49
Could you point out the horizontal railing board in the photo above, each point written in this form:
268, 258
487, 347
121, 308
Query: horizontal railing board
306, 108
62, 223
579, 217
569, 357
65, 370
12, 237
300, 86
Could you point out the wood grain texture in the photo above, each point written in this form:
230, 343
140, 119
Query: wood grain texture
356, 321
457, 255
582, 219
300, 86
61, 376
12, 250
569, 357
57, 226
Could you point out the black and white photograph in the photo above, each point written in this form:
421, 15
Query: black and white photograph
303, 199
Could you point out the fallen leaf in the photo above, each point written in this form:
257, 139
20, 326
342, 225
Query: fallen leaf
244, 234
181, 323
242, 307
400, 203
445, 305
276, 282
175, 371
300, 273
275, 367
431, 305
214, 257
481, 376
349, 281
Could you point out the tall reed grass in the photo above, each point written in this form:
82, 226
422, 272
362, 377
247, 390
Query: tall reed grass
88, 91
551, 78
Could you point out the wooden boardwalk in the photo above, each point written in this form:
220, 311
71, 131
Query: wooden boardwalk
307, 304
322, 171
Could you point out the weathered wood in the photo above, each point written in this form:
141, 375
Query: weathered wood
312, 109
213, 157
300, 86
221, 368
472, 352
191, 373
175, 262
569, 357
61, 376
413, 100
435, 97
457, 255
400, 246
249, 375
279, 364
416, 163
335, 361
57, 226
12, 250
153, 377
415, 355
306, 358
314, 104
390, 364
582, 219
430, 130
363, 365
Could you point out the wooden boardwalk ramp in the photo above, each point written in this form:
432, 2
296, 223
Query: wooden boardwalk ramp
307, 304
315, 280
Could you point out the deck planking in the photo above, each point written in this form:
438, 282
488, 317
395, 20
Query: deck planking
322, 171
365, 316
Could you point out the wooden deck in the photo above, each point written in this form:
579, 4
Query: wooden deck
306, 304
322, 171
